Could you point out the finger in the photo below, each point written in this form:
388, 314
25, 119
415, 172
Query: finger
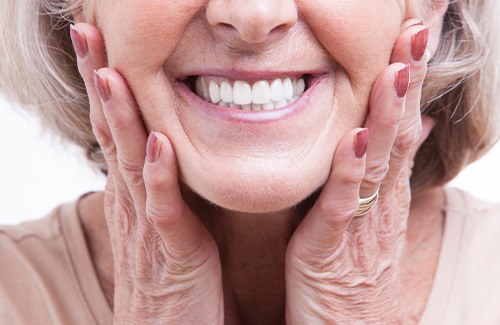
89, 48
180, 230
428, 124
411, 47
322, 229
386, 110
126, 127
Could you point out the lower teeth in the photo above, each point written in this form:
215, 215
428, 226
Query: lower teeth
259, 107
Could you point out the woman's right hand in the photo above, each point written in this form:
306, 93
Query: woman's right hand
167, 266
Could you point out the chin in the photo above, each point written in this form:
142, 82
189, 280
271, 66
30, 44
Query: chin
263, 192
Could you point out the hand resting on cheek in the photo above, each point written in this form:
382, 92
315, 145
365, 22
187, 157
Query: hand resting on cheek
339, 266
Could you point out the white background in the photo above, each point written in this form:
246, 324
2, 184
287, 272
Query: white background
37, 173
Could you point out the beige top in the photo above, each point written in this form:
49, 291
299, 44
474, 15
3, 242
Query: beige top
47, 276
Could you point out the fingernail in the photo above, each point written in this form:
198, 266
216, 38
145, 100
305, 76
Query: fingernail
153, 148
402, 81
416, 23
412, 22
419, 44
79, 42
360, 143
102, 87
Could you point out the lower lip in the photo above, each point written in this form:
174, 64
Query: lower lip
236, 115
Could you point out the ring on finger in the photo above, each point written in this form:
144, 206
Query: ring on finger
366, 204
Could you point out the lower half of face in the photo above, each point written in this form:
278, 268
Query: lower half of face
254, 126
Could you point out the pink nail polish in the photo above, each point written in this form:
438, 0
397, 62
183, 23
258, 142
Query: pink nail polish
419, 44
360, 143
153, 148
79, 42
402, 81
102, 87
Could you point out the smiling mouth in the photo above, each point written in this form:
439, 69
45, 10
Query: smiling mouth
261, 95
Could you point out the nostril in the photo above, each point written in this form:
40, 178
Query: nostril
256, 21
279, 29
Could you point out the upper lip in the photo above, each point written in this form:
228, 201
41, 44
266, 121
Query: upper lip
250, 76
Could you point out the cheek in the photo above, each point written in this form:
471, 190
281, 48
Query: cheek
358, 34
140, 35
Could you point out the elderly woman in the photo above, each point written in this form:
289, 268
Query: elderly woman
258, 158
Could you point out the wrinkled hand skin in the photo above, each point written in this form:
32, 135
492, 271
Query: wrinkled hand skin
345, 270
339, 269
166, 263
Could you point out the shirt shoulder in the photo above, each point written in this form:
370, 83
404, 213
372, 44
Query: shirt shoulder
39, 278
467, 282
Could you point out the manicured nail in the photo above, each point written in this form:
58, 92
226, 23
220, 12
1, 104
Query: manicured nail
402, 81
412, 22
419, 44
102, 87
360, 143
153, 148
79, 42
416, 23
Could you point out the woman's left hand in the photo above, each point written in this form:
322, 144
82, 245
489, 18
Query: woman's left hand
342, 268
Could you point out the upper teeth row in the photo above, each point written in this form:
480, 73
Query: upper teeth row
261, 95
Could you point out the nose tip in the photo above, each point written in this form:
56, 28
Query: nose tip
252, 21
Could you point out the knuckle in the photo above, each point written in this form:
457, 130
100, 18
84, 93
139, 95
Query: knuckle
132, 174
405, 141
121, 214
335, 213
162, 215
120, 118
107, 145
156, 183
352, 178
376, 171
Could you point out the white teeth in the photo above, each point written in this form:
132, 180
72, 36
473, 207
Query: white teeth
281, 103
242, 93
268, 106
233, 105
213, 88
262, 95
261, 92
202, 88
256, 107
300, 86
226, 92
287, 88
276, 90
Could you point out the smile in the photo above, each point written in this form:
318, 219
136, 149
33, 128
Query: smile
246, 96
260, 97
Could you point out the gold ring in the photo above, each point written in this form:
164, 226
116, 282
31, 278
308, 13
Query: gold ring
366, 204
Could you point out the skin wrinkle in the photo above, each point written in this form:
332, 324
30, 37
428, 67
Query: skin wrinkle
249, 184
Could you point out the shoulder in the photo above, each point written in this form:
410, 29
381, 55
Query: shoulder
37, 279
469, 264
46, 228
471, 208
475, 222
